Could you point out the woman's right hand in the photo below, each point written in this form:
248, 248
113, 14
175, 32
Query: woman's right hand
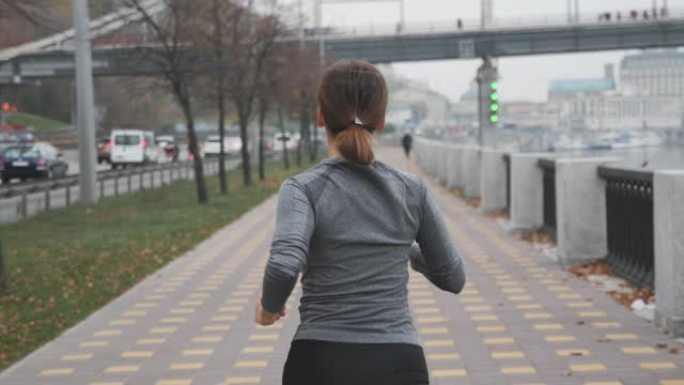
264, 317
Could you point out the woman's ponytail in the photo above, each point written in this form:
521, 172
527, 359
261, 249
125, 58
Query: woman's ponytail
353, 100
355, 144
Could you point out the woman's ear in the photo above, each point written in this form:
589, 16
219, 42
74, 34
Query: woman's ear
320, 122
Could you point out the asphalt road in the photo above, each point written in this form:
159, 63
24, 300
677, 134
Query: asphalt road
12, 209
71, 157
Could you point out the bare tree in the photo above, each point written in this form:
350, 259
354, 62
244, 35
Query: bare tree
304, 73
252, 38
29, 10
174, 33
132, 102
221, 14
26, 20
272, 93
284, 137
264, 105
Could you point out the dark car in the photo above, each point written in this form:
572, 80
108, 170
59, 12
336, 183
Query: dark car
104, 150
169, 145
40, 160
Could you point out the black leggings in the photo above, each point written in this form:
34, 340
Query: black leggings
313, 362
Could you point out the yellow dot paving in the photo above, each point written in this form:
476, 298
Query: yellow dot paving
520, 320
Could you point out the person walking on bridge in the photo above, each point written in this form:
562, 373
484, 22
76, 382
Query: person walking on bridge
350, 226
407, 143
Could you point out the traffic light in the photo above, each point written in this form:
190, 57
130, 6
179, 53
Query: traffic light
6, 107
494, 101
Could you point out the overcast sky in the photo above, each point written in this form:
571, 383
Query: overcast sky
522, 78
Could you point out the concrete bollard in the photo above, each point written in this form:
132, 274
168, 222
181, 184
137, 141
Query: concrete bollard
471, 172
432, 151
493, 186
454, 178
581, 210
447, 151
527, 192
417, 146
440, 172
668, 211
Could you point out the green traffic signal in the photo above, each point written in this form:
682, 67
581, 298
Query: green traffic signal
494, 102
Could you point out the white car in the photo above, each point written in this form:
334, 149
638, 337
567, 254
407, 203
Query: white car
232, 145
133, 148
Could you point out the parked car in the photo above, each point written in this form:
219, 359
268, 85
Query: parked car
133, 148
104, 150
169, 146
282, 141
40, 160
232, 145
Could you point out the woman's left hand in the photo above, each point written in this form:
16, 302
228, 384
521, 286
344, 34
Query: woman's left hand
264, 317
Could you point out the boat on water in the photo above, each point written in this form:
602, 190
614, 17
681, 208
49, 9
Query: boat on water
566, 143
625, 140
650, 138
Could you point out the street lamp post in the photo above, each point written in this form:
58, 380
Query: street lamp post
85, 104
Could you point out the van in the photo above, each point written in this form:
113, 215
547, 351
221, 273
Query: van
133, 148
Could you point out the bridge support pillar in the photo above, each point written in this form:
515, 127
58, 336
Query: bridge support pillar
668, 210
493, 181
527, 197
581, 210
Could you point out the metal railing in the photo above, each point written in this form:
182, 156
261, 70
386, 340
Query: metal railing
20, 201
629, 215
507, 162
469, 26
548, 167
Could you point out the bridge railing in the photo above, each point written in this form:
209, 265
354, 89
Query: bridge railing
548, 167
629, 210
507, 162
475, 25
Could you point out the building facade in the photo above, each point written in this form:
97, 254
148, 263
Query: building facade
641, 101
653, 73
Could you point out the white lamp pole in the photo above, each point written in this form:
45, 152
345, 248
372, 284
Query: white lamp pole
86, 104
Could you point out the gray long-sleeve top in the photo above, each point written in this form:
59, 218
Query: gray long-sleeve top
350, 230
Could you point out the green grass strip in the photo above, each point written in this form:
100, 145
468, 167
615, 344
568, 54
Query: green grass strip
65, 264
37, 122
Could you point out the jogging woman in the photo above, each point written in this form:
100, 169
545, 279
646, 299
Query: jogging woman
349, 225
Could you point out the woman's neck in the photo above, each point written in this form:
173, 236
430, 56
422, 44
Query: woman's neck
332, 151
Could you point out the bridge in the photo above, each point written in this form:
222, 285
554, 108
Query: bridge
117, 46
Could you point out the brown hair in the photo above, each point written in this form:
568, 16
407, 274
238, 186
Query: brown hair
353, 99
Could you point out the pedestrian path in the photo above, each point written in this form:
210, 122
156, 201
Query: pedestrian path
520, 320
